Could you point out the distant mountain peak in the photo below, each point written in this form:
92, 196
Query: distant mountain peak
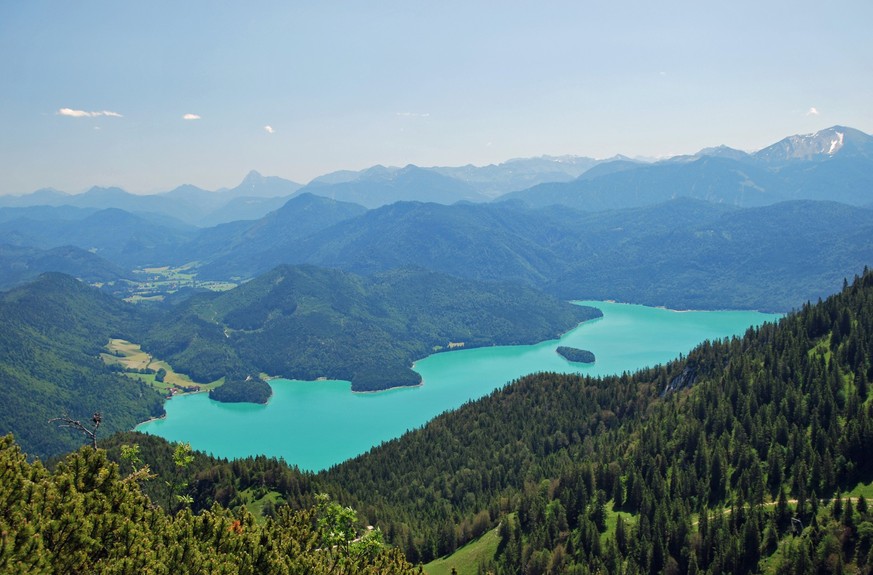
723, 152
378, 172
105, 193
113, 189
252, 177
819, 145
257, 185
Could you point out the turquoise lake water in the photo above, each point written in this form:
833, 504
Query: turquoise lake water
318, 424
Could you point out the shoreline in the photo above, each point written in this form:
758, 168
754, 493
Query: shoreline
420, 384
149, 420
320, 379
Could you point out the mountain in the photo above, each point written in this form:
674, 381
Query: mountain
725, 152
710, 178
23, 264
254, 197
748, 454
520, 173
247, 248
479, 241
53, 332
242, 208
116, 198
254, 185
379, 186
715, 152
42, 213
693, 254
97, 198
41, 197
488, 181
822, 145
758, 258
126, 239
833, 164
304, 322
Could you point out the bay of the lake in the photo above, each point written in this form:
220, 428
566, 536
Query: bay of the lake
315, 425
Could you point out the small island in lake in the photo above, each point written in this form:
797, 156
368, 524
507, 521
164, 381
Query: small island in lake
576, 355
237, 390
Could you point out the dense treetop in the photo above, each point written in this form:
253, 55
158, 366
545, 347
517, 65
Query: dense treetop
85, 517
575, 354
240, 390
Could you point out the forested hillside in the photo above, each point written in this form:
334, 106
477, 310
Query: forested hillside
305, 322
724, 461
19, 265
53, 332
682, 253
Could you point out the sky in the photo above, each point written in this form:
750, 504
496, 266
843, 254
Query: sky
148, 96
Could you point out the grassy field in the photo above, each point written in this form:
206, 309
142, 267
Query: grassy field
466, 560
154, 283
135, 361
612, 520
255, 500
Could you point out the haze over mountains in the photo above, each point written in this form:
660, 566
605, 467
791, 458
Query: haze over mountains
707, 230
833, 164
258, 195
796, 167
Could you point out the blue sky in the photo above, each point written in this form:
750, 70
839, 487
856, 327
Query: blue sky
151, 95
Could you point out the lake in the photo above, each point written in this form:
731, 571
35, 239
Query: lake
315, 425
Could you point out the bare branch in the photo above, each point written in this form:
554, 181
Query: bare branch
67, 421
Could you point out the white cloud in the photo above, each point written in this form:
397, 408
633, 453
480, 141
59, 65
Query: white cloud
269, 129
69, 112
191, 117
812, 112
414, 114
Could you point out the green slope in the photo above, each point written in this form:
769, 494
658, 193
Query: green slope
306, 322
53, 332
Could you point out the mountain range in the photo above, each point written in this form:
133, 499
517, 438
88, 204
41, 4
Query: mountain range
255, 196
703, 252
693, 254
834, 164
796, 167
